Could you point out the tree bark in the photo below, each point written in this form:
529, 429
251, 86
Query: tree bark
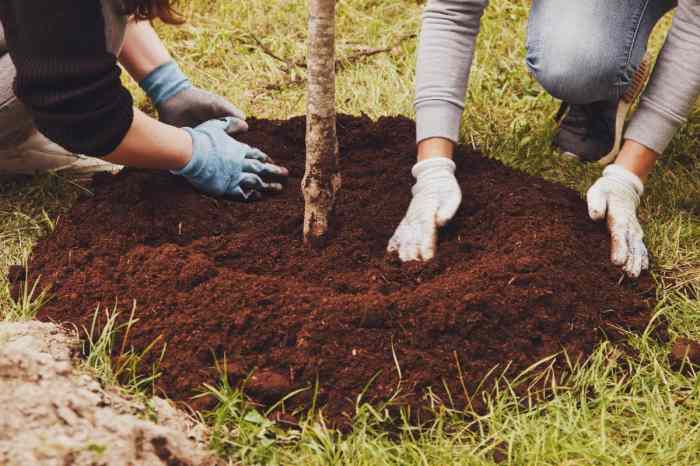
322, 178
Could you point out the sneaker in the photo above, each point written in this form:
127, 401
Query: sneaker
586, 132
39, 155
593, 132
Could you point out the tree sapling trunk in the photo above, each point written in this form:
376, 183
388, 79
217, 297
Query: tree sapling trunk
322, 178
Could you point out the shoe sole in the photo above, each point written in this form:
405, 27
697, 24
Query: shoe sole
88, 166
570, 155
36, 154
25, 165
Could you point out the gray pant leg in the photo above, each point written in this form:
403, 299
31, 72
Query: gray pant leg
588, 51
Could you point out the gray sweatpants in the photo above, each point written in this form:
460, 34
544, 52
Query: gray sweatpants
15, 121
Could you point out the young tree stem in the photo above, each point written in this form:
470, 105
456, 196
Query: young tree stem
322, 177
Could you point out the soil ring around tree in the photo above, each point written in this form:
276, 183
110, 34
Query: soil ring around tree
522, 274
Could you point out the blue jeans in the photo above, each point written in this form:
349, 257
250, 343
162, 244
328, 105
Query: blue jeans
584, 51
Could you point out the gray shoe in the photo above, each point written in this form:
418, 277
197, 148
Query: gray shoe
593, 132
39, 155
586, 132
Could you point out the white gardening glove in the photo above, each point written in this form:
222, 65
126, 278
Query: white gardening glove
616, 196
436, 198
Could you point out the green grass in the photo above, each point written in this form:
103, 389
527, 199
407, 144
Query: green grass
612, 409
112, 360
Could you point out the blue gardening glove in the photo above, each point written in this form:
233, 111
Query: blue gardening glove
222, 166
182, 105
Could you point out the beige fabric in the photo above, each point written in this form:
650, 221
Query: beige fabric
39, 155
15, 122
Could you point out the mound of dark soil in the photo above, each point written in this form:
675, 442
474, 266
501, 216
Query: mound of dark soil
522, 273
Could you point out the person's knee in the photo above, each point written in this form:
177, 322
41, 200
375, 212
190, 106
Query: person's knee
572, 55
574, 71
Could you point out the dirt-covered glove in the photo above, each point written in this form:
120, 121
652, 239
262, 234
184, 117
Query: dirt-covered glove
436, 198
222, 166
182, 105
615, 196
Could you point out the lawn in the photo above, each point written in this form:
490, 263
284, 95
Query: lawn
613, 409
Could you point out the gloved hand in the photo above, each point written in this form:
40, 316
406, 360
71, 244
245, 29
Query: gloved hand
436, 198
616, 195
222, 166
182, 105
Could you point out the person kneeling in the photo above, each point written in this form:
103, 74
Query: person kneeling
63, 106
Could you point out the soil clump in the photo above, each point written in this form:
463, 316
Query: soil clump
522, 273
685, 350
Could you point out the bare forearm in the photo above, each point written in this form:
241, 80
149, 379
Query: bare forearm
435, 147
637, 158
152, 144
143, 50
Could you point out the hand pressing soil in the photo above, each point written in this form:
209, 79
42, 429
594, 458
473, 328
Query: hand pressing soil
521, 274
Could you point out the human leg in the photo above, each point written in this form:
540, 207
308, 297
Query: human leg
590, 55
23, 149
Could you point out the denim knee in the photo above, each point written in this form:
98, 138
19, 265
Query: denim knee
573, 71
583, 51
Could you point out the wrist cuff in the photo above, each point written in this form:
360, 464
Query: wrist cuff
164, 82
653, 127
436, 119
625, 176
195, 164
435, 163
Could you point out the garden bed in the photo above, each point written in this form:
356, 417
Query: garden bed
521, 274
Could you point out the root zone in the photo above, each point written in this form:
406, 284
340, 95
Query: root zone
522, 274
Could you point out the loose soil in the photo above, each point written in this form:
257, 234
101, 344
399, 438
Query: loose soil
522, 273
